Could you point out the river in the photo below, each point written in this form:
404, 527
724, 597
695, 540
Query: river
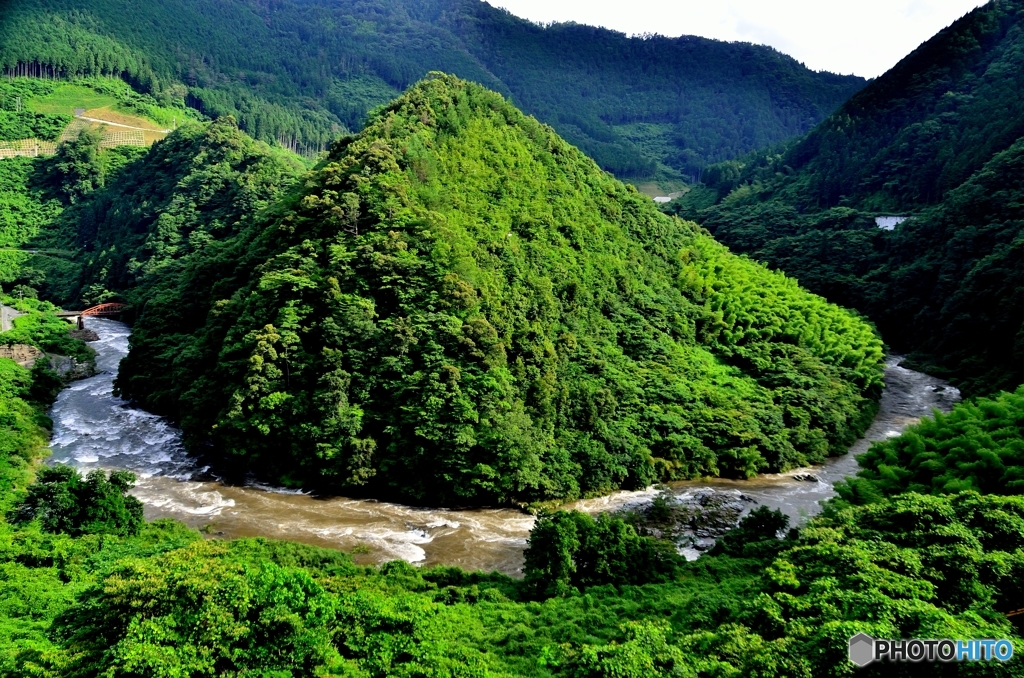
93, 429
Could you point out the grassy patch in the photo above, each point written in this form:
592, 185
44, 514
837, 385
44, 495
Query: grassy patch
662, 187
66, 97
110, 100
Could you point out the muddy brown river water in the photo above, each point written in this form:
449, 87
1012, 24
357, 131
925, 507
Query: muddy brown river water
93, 429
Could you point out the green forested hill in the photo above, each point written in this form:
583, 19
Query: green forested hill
938, 138
300, 71
196, 190
459, 306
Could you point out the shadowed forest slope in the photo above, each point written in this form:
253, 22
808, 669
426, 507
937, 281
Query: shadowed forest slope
938, 139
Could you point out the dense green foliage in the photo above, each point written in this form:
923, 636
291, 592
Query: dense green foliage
299, 72
80, 166
39, 327
165, 603
64, 501
77, 167
39, 250
977, 446
26, 125
24, 206
915, 567
938, 136
570, 550
193, 612
23, 429
928, 124
459, 306
202, 187
910, 136
18, 122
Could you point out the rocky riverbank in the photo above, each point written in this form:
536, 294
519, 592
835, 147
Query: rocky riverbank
692, 520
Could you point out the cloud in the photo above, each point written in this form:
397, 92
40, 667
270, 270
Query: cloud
866, 37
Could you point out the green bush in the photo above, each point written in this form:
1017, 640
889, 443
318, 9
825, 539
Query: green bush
570, 551
65, 502
196, 612
758, 535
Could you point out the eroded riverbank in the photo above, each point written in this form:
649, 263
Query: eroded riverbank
93, 429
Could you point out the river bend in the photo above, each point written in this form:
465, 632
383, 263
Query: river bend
93, 429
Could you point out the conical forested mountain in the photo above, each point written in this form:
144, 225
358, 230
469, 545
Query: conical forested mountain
938, 139
458, 306
298, 72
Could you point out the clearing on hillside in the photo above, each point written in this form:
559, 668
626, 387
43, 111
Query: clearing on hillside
109, 105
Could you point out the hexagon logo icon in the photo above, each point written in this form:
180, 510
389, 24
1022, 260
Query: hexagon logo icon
862, 649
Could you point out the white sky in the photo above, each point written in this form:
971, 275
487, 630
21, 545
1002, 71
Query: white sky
863, 37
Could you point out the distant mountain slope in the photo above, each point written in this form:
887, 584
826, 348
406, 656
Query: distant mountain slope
923, 128
300, 71
939, 138
459, 307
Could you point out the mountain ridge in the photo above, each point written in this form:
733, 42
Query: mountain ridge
640, 106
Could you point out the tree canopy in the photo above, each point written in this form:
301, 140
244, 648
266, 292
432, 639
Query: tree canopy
64, 501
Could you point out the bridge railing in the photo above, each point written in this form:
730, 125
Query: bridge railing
98, 311
105, 309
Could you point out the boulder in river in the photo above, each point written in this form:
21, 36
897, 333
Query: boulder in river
693, 520
84, 334
70, 369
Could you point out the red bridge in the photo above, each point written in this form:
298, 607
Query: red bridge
99, 311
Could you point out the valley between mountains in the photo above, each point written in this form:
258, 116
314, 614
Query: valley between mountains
410, 379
